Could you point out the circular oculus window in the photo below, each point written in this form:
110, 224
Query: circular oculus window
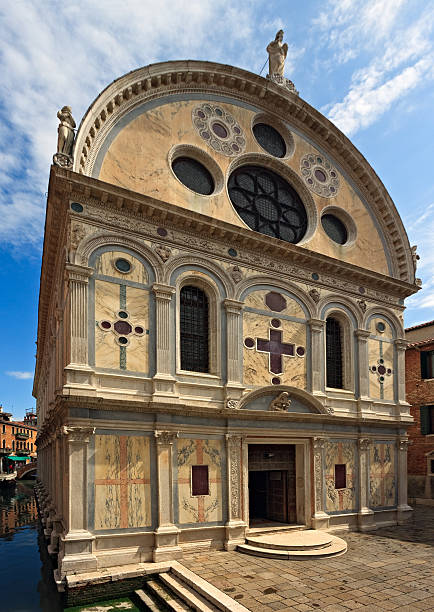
270, 139
267, 203
193, 175
334, 228
122, 265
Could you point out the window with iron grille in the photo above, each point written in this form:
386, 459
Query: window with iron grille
267, 203
334, 354
194, 329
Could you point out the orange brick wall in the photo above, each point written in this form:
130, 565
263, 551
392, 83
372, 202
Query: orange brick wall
419, 393
8, 437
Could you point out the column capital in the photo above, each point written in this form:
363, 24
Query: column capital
316, 325
163, 292
401, 344
79, 274
403, 444
319, 443
233, 306
362, 334
234, 441
165, 437
78, 434
364, 443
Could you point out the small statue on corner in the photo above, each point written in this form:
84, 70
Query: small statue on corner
65, 138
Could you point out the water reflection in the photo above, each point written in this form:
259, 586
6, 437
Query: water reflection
26, 571
17, 507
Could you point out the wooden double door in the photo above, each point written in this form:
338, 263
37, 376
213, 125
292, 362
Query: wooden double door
272, 483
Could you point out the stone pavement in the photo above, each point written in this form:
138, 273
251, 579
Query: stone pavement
390, 569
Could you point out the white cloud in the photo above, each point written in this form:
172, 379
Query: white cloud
20, 375
401, 51
55, 54
371, 95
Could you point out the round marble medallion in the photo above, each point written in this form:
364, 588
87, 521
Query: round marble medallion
219, 129
319, 175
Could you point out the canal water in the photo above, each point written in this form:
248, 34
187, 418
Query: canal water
26, 582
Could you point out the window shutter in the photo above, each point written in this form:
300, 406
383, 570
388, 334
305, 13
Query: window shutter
424, 364
425, 420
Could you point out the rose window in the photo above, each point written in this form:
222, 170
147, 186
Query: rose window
319, 175
267, 203
219, 129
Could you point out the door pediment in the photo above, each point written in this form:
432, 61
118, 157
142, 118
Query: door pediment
283, 398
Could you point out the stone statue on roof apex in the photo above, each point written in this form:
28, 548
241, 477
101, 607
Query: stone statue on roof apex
277, 51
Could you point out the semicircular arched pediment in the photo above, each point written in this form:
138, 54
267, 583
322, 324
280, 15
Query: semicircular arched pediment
195, 78
283, 398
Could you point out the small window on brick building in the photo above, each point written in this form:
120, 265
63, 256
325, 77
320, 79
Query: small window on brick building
432, 466
340, 476
427, 364
199, 480
426, 420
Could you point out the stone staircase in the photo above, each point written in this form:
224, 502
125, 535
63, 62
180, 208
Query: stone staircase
180, 590
306, 544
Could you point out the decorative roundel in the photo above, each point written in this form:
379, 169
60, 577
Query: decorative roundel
219, 129
319, 175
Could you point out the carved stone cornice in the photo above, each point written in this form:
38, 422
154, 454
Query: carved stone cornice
163, 292
165, 437
79, 435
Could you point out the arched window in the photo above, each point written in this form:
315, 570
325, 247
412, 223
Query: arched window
334, 361
194, 329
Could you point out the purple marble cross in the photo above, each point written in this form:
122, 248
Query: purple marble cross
276, 348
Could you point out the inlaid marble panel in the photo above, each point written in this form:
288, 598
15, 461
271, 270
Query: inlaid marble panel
382, 474
122, 482
105, 265
381, 389
256, 299
199, 508
108, 302
338, 453
256, 368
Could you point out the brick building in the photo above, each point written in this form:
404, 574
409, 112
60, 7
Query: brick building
419, 362
17, 438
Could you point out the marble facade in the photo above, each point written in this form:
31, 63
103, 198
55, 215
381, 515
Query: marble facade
125, 422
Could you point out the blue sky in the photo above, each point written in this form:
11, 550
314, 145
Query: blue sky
368, 66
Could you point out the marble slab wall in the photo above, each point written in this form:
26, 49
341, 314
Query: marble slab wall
122, 482
340, 453
199, 508
381, 387
382, 475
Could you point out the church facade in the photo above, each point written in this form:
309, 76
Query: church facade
220, 339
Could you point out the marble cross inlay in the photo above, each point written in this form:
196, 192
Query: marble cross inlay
276, 348
122, 327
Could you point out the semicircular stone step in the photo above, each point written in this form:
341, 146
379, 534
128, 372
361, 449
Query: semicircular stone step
325, 545
310, 539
